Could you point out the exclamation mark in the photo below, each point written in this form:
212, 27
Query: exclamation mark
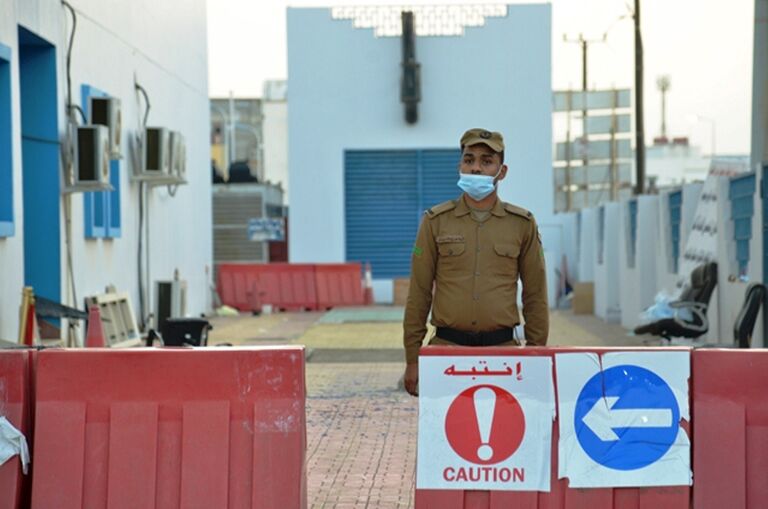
485, 403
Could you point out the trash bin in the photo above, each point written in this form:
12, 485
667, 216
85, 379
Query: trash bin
185, 331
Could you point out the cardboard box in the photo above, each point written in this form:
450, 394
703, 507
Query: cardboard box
583, 302
400, 291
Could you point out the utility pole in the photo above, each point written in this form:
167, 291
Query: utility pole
231, 128
639, 123
663, 84
584, 43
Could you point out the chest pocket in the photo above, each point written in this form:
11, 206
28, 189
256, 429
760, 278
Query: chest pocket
504, 262
451, 248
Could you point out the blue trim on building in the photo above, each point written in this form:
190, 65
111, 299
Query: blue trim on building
741, 194
7, 226
41, 174
101, 209
675, 218
632, 205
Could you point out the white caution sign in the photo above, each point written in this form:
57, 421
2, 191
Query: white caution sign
485, 423
620, 417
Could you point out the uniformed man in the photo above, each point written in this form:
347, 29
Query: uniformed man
472, 251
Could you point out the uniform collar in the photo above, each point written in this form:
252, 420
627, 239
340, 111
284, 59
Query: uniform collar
462, 209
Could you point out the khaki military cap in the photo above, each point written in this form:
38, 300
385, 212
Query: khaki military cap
492, 139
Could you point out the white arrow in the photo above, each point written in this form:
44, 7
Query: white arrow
602, 418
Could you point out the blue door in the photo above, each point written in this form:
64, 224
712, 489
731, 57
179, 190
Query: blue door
40, 165
386, 193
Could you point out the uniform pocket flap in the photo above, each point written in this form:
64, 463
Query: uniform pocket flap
448, 239
452, 249
510, 250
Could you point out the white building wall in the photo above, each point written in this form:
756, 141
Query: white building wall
587, 245
732, 289
570, 243
12, 248
606, 271
275, 132
344, 94
638, 280
163, 46
667, 278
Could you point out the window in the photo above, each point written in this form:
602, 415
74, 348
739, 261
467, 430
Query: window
6, 146
632, 206
102, 208
741, 193
675, 207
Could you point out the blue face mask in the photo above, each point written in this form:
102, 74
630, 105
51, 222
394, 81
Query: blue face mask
477, 186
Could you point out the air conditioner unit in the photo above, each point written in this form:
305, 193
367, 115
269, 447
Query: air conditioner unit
156, 157
92, 156
106, 111
170, 301
178, 156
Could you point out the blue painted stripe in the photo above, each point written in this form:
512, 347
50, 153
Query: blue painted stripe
675, 218
6, 146
741, 192
632, 231
5, 52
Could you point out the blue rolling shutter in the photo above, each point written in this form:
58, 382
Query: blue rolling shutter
675, 217
741, 193
439, 175
386, 193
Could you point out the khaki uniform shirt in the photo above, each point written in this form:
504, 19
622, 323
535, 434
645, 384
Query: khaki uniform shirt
474, 267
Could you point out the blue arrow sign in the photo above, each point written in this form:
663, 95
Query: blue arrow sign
626, 417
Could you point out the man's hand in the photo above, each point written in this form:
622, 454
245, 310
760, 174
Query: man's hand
411, 379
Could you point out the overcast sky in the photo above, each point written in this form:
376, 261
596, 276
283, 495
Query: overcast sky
705, 46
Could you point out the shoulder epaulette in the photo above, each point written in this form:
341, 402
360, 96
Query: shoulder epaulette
518, 211
442, 207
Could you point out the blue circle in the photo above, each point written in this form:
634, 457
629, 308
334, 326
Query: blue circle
635, 388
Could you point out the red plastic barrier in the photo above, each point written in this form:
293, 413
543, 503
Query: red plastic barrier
560, 496
285, 286
338, 284
290, 286
235, 283
170, 428
14, 406
730, 428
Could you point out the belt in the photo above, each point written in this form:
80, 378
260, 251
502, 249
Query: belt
490, 338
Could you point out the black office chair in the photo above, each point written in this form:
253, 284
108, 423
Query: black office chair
694, 299
745, 322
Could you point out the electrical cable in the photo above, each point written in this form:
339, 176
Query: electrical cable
69, 56
146, 101
142, 204
70, 121
80, 111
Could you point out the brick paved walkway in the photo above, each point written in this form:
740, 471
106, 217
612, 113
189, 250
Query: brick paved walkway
361, 427
361, 437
